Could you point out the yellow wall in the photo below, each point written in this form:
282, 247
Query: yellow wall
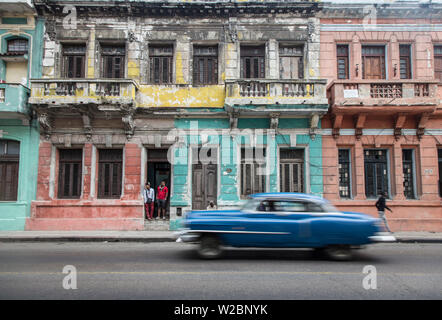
17, 72
176, 96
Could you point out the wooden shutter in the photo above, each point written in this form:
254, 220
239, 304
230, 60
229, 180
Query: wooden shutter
438, 62
110, 167
113, 61
74, 61
252, 62
160, 62
70, 173
405, 61
9, 165
373, 62
342, 61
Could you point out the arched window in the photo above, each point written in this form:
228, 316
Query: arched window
18, 46
9, 163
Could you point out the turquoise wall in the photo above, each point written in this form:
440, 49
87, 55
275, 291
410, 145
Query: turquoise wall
13, 214
228, 191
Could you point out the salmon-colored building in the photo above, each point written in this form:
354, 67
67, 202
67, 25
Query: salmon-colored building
383, 131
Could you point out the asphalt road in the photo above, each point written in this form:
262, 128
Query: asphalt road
173, 271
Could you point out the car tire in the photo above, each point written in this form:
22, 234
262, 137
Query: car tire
209, 247
338, 252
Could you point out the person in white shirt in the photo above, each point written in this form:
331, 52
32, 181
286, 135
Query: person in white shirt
149, 199
211, 206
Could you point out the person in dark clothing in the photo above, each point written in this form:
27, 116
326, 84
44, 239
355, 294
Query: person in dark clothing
381, 205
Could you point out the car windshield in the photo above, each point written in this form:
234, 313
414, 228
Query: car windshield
251, 205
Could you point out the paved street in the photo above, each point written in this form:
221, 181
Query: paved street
172, 271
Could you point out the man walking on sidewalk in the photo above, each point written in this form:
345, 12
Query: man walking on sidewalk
381, 205
149, 198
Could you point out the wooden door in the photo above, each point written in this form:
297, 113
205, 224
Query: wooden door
373, 62
204, 185
372, 68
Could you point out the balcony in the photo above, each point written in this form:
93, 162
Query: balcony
14, 100
385, 96
59, 92
303, 95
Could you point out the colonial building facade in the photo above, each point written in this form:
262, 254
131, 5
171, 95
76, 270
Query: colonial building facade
383, 129
21, 33
221, 99
203, 96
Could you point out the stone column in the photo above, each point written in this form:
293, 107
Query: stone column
355, 51
394, 57
398, 172
87, 166
132, 168
359, 171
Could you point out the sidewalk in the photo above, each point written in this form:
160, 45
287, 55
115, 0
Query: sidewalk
155, 236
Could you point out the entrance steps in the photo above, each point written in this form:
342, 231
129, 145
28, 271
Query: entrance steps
156, 225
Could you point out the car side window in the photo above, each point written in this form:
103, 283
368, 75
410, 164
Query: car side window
289, 206
313, 207
265, 206
296, 206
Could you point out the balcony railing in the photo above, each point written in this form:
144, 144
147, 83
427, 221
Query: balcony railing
82, 91
383, 92
14, 98
271, 91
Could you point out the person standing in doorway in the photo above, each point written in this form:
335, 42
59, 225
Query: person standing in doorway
162, 194
381, 205
149, 198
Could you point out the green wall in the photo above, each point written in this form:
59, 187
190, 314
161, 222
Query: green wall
13, 214
228, 190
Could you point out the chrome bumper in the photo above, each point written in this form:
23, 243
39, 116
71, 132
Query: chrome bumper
382, 237
186, 236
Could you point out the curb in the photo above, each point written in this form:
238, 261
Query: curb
156, 239
85, 239
415, 240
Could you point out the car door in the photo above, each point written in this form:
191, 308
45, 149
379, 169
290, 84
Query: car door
298, 216
258, 226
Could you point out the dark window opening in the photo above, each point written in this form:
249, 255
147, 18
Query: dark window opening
344, 173
438, 62
110, 167
9, 165
291, 62
408, 170
205, 65
439, 158
376, 172
18, 46
252, 62
343, 61
373, 62
113, 61
74, 57
253, 170
405, 61
291, 170
70, 172
160, 58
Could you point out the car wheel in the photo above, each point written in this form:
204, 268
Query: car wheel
210, 247
338, 252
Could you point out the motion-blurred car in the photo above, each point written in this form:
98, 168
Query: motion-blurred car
282, 220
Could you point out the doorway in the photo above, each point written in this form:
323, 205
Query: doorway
204, 178
158, 169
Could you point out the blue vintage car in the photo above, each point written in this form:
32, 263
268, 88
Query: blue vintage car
282, 220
